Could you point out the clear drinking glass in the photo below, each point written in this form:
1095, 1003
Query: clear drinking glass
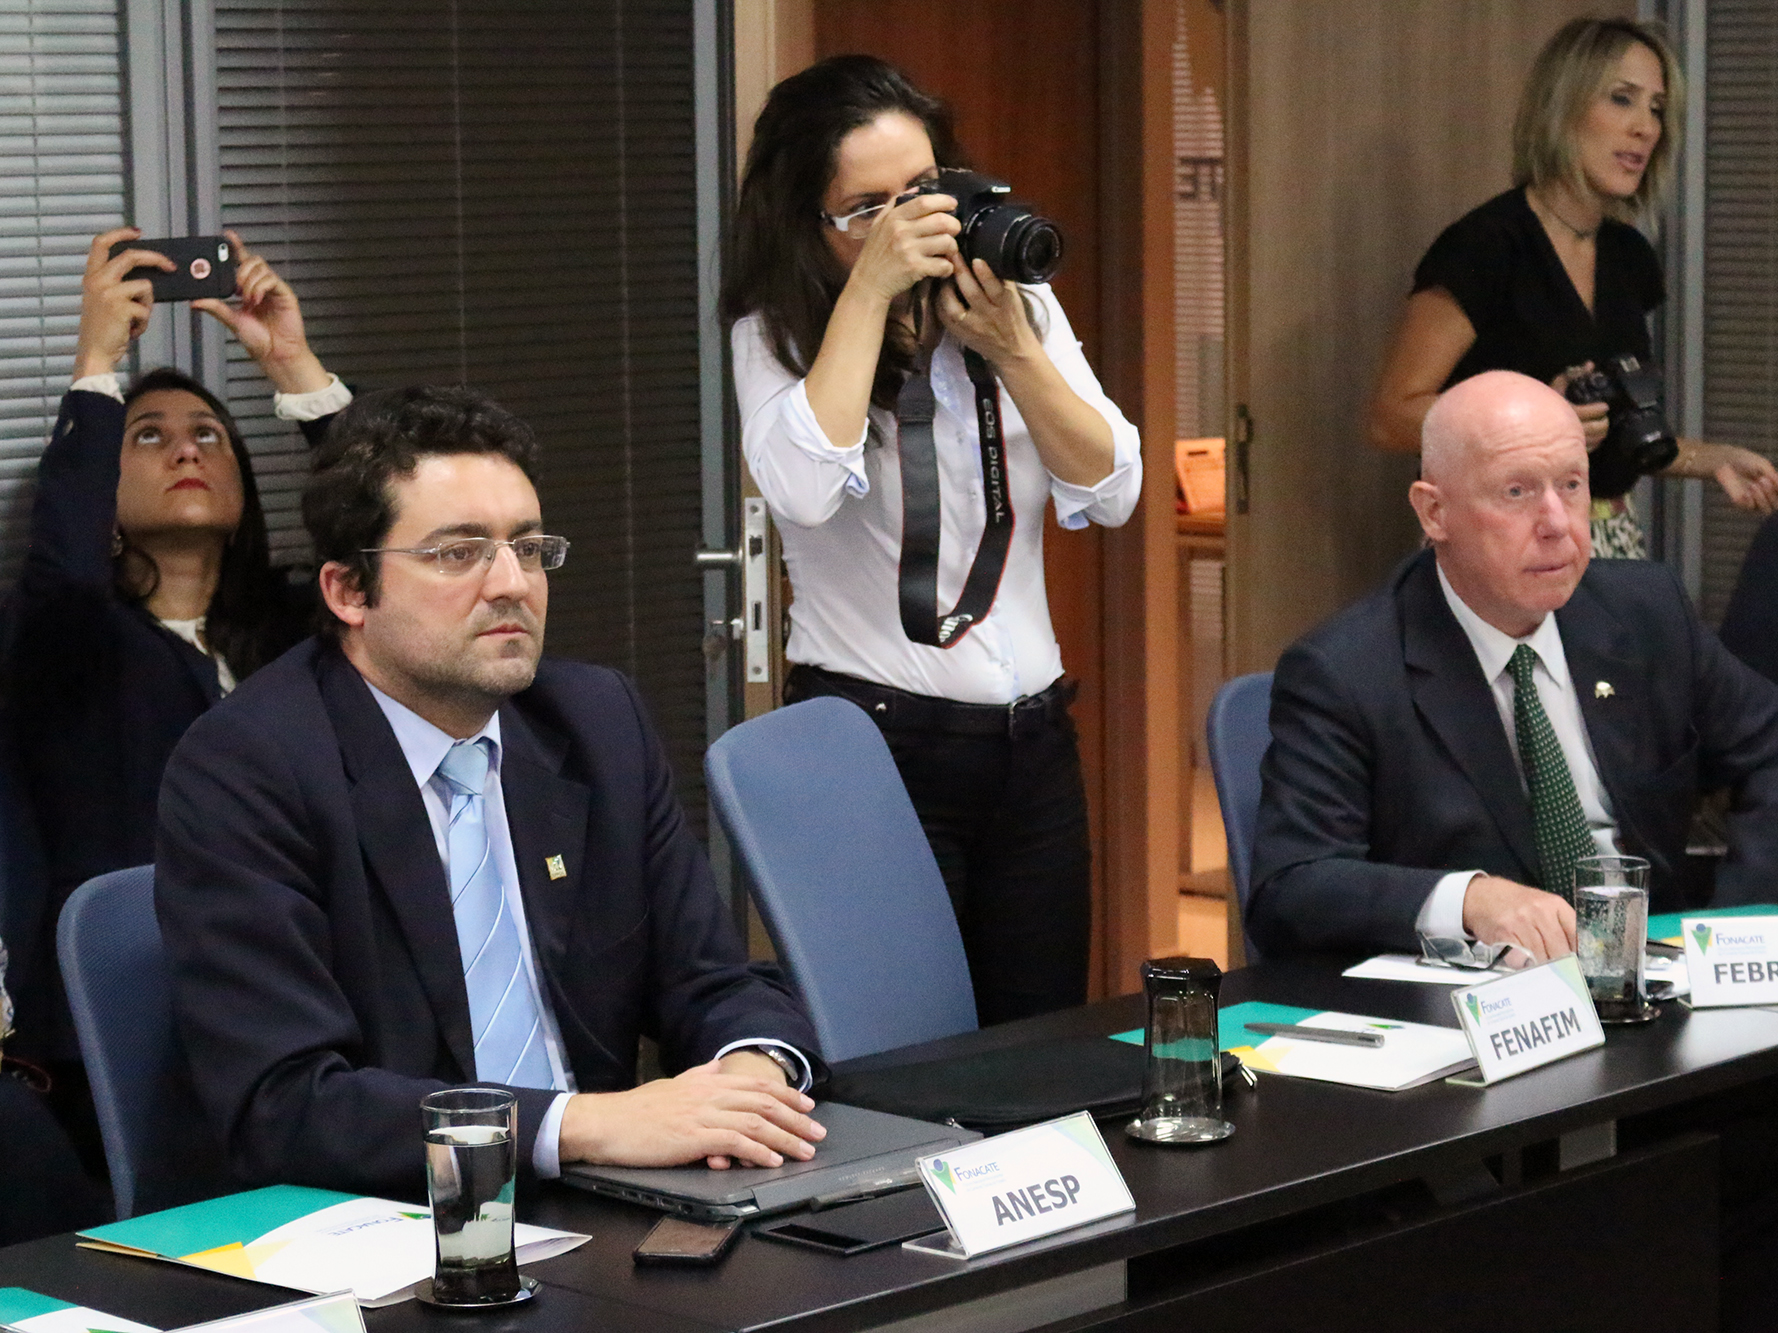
471, 1160
1611, 925
1182, 1082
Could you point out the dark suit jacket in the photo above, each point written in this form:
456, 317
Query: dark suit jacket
1389, 765
316, 976
97, 695
1750, 621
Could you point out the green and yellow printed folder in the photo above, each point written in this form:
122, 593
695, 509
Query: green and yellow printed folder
32, 1312
1411, 1053
312, 1240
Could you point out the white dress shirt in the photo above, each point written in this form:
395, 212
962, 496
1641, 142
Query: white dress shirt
424, 746
1442, 913
310, 406
192, 631
839, 515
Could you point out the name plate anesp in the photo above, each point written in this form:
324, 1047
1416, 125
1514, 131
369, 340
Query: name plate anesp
1731, 960
1529, 1019
1025, 1185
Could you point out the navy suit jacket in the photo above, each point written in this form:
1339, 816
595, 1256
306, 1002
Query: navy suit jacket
1389, 765
1750, 621
316, 976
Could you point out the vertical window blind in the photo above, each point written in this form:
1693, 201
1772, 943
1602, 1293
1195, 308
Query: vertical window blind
1740, 259
502, 196
61, 182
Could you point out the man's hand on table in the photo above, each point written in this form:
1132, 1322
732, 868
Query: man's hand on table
737, 1109
1499, 911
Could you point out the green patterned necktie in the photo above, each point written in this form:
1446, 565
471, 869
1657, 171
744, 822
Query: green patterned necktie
1562, 831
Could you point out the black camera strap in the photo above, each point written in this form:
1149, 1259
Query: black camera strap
920, 501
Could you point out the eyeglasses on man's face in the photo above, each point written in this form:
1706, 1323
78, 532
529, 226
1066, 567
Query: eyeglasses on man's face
464, 555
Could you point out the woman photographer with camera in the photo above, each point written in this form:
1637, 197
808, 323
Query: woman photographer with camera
907, 416
1551, 280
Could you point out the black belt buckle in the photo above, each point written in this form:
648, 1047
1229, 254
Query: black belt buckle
1027, 716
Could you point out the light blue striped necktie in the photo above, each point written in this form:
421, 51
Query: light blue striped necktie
503, 1014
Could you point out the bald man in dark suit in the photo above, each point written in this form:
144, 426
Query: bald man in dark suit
1397, 798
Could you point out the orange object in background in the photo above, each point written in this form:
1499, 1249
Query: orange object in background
1199, 464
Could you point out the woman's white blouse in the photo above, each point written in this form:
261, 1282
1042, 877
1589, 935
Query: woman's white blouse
839, 516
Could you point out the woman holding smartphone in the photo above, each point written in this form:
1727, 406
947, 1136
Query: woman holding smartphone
845, 285
147, 590
1551, 279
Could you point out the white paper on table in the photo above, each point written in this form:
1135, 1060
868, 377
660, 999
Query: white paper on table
1411, 1053
1408, 967
1658, 967
379, 1250
336, 1313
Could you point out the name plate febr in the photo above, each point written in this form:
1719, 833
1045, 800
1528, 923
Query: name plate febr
1529, 1019
1731, 960
1025, 1185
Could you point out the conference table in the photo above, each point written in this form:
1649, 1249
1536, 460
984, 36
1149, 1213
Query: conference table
1575, 1196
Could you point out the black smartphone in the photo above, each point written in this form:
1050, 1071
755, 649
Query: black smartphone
853, 1228
206, 267
675, 1240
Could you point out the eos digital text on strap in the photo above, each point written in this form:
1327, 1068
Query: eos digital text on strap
915, 409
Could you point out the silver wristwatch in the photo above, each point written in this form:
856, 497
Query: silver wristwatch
793, 1074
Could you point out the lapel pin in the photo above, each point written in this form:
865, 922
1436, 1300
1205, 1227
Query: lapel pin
556, 869
1602, 689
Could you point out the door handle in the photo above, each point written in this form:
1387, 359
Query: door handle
751, 558
1243, 447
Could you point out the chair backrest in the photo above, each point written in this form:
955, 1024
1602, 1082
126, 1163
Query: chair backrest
158, 1142
1238, 731
844, 877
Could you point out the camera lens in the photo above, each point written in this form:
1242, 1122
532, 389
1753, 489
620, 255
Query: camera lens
1018, 245
1034, 249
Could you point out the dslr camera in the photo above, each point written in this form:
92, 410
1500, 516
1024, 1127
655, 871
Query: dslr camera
1019, 245
1637, 440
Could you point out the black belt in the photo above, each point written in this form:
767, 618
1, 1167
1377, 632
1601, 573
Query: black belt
902, 710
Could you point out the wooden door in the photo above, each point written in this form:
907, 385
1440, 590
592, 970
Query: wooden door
1069, 101
1359, 130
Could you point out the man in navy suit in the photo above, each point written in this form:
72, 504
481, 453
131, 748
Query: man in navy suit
413, 853
1398, 796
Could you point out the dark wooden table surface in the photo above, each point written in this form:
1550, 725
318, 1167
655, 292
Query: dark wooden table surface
1298, 1146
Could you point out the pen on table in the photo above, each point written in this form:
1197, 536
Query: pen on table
1333, 1036
861, 1190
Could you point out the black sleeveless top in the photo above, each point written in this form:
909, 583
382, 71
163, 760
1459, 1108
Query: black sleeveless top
1498, 264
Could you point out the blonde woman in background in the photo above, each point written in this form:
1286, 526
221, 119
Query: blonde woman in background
1551, 279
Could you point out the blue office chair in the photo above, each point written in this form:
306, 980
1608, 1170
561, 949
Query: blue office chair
1238, 730
158, 1142
844, 877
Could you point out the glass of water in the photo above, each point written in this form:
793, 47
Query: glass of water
1182, 1081
471, 1160
1611, 925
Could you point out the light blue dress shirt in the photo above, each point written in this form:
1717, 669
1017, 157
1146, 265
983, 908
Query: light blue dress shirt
423, 746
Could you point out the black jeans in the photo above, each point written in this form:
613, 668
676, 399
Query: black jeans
42, 1187
1007, 820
